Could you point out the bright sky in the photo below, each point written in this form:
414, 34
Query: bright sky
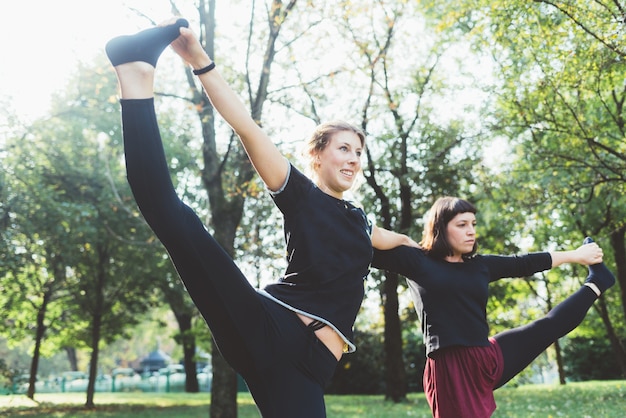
42, 40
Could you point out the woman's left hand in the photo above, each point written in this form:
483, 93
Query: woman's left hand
588, 254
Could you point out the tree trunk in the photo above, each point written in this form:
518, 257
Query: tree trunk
39, 333
93, 362
184, 311
224, 379
223, 393
619, 252
226, 211
188, 341
616, 344
395, 374
72, 358
58, 269
559, 362
96, 326
557, 347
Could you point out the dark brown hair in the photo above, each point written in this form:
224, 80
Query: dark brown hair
435, 239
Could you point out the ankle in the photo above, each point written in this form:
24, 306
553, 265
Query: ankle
593, 287
136, 80
600, 278
134, 68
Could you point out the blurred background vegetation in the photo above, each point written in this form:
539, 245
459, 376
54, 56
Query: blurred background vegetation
515, 106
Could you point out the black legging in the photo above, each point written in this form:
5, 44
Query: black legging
284, 364
520, 346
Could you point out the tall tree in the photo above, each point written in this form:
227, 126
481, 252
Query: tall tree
78, 262
34, 276
225, 174
412, 157
561, 100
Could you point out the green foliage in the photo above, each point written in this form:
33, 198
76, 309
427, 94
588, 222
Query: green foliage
590, 359
414, 353
558, 105
361, 371
6, 374
82, 274
560, 99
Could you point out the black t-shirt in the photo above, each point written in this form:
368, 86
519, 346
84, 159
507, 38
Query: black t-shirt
329, 250
451, 298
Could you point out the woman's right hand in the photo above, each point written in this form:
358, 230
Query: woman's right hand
189, 48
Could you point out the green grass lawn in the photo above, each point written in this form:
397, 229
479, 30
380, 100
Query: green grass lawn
575, 400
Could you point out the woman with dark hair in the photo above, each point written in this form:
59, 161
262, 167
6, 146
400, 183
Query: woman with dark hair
449, 283
285, 340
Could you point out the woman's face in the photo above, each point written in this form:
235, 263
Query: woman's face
461, 234
339, 163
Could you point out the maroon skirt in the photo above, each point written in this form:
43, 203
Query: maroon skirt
459, 381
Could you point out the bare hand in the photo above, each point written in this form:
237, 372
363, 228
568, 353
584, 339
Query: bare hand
189, 48
588, 254
412, 243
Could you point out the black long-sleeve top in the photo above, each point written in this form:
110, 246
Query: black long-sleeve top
451, 298
329, 251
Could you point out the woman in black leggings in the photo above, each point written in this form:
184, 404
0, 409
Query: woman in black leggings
284, 340
449, 282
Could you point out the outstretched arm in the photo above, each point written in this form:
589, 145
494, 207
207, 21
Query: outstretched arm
383, 239
267, 160
586, 254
